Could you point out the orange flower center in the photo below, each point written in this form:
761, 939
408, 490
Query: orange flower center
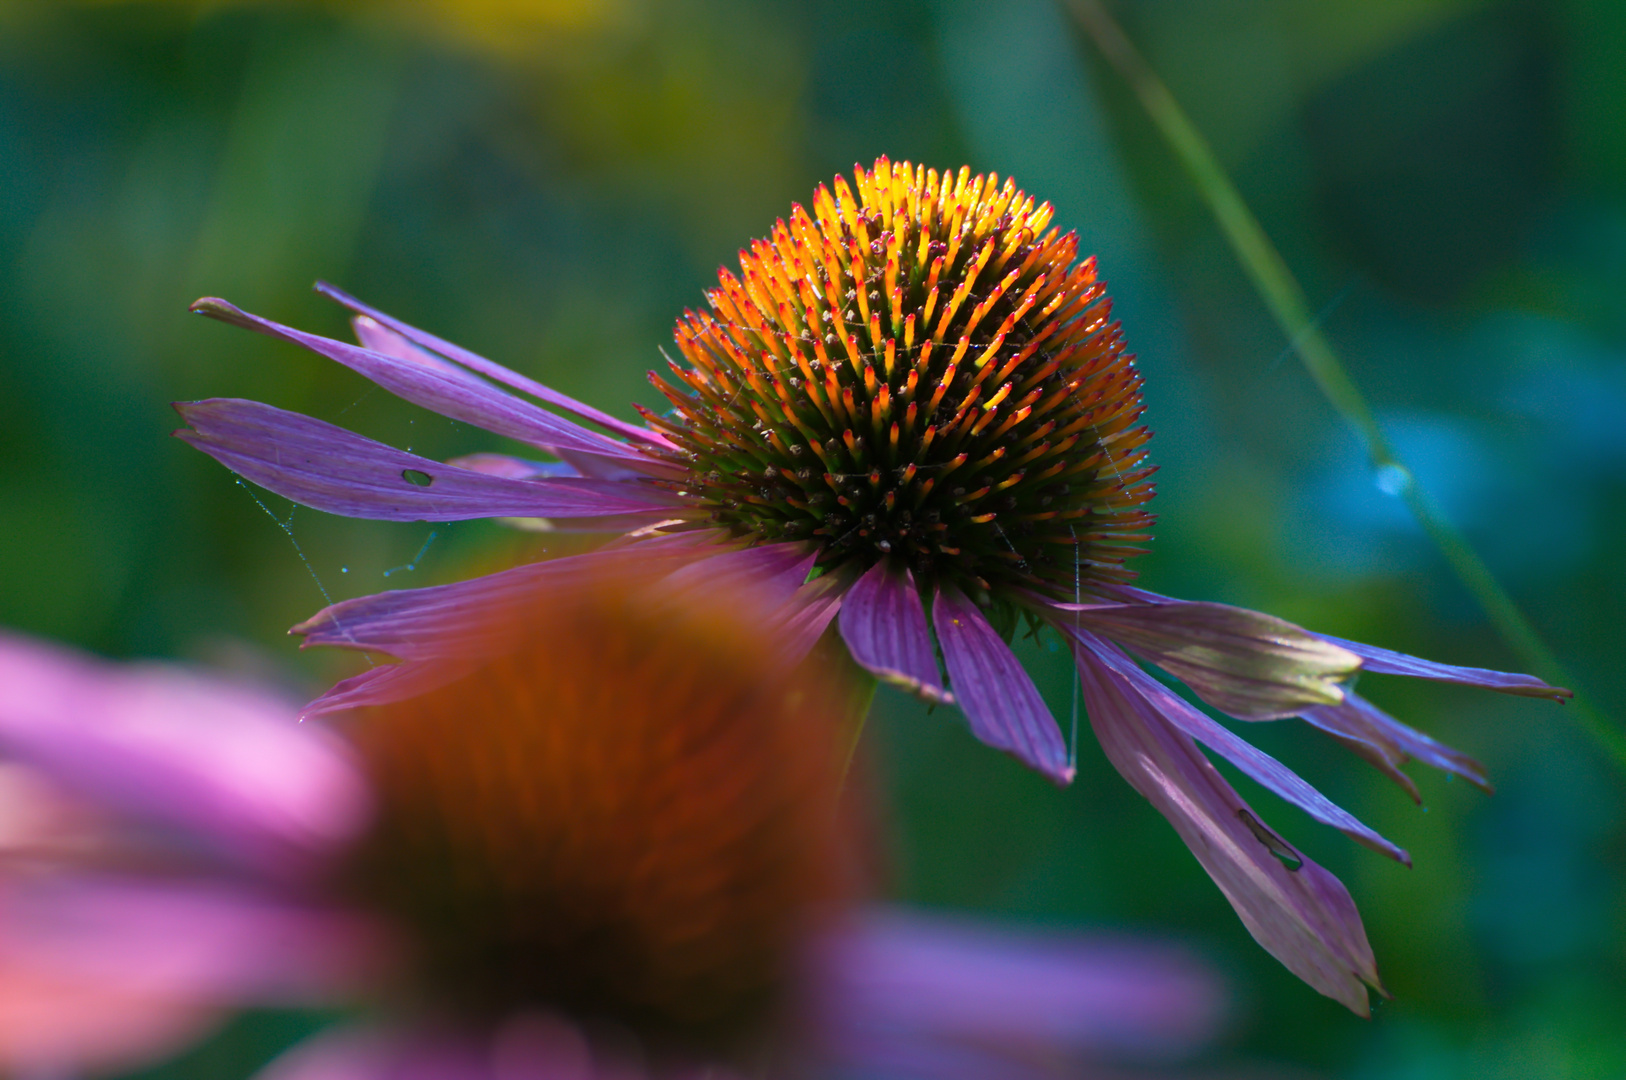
918, 369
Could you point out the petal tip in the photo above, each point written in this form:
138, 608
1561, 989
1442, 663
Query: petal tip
214, 307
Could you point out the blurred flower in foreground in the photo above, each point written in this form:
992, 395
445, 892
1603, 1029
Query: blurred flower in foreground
613, 852
913, 409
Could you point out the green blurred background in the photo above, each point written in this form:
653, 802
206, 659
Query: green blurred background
550, 183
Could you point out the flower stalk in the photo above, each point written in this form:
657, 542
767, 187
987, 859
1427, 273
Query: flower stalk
1283, 295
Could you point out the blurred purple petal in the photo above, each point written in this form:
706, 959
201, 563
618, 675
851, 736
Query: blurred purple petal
884, 624
804, 618
348, 1053
206, 941
220, 761
96, 975
492, 370
455, 619
992, 689
386, 683
767, 573
1388, 662
1358, 719
371, 1054
319, 465
906, 986
1263, 768
1250, 665
1302, 914
459, 398
532, 1046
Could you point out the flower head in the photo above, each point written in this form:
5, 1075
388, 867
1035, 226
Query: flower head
919, 373
626, 815
612, 852
909, 416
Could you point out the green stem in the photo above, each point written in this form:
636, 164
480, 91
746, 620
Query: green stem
859, 699
858, 693
1282, 293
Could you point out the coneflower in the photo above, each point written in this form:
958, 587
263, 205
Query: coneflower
614, 852
909, 413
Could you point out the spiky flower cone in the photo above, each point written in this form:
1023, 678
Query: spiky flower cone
910, 421
920, 369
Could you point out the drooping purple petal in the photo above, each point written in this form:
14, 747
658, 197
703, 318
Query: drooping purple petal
455, 619
492, 370
1388, 662
992, 689
461, 398
1275, 776
1250, 665
901, 985
225, 763
1358, 719
1302, 915
884, 625
326, 467
1381, 755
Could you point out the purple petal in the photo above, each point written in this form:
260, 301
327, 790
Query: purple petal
495, 371
900, 983
1302, 916
1275, 776
512, 467
1129, 594
524, 469
225, 763
996, 695
455, 619
460, 398
1387, 662
1250, 665
381, 339
1380, 754
326, 467
1358, 719
884, 624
